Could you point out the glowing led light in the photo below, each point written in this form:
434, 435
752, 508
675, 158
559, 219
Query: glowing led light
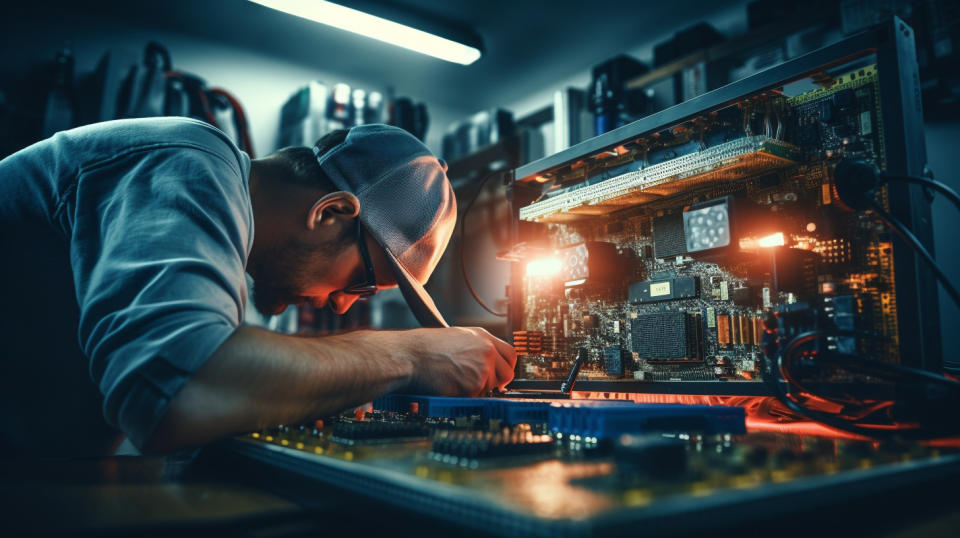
544, 267
811, 226
772, 240
377, 28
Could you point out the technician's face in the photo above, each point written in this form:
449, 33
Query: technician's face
299, 273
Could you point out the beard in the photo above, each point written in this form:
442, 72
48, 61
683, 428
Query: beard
282, 275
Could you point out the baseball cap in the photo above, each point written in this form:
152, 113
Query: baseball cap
406, 204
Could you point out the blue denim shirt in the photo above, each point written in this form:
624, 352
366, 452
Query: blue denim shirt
125, 244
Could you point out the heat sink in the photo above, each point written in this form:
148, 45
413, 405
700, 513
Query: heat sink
665, 336
732, 160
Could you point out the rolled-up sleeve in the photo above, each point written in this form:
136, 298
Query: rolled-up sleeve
159, 247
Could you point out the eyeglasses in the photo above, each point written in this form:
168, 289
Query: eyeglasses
369, 286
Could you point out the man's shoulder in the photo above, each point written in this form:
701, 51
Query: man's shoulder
112, 139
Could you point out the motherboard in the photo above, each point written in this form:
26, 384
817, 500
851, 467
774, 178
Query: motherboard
664, 257
529, 467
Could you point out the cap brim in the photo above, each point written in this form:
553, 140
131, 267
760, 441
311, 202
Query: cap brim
417, 298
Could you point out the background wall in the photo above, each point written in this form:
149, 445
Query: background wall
262, 82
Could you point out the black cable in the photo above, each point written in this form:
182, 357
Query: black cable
817, 416
850, 362
463, 240
938, 186
912, 240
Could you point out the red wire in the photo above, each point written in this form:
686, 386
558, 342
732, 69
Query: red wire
240, 118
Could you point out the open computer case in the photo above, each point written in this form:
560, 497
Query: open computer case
662, 250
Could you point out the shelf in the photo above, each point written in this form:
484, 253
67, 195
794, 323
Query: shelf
740, 44
507, 150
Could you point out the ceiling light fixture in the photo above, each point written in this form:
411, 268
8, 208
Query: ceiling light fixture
378, 28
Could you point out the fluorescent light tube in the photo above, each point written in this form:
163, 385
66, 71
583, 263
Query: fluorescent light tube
378, 28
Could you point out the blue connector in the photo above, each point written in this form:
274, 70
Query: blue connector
609, 420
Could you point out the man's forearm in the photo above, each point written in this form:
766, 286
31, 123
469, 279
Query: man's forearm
258, 379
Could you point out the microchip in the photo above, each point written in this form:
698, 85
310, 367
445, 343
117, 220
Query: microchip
668, 239
745, 296
652, 291
613, 360
827, 110
844, 317
844, 98
667, 336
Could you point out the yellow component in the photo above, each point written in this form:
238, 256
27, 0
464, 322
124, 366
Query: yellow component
445, 476
701, 489
780, 475
758, 330
746, 330
854, 79
299, 446
255, 435
723, 330
637, 497
284, 442
744, 481
660, 288
268, 438
318, 450
422, 471
864, 463
348, 455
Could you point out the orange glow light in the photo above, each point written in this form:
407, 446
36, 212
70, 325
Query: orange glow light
772, 240
544, 267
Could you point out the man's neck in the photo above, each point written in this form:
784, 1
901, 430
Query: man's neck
280, 208
259, 182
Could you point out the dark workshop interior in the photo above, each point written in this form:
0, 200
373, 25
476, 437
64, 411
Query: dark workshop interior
418, 267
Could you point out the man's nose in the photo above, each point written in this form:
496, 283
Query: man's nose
341, 302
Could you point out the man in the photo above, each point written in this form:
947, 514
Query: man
123, 284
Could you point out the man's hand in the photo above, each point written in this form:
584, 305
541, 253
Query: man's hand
458, 361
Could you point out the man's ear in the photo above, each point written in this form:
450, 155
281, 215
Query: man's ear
331, 207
